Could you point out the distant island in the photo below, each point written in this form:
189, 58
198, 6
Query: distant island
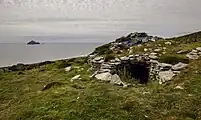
32, 43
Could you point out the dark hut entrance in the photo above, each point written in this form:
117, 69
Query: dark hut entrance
137, 70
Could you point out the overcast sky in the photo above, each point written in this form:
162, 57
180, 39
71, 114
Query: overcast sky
96, 20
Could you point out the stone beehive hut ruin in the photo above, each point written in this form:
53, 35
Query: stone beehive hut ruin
139, 67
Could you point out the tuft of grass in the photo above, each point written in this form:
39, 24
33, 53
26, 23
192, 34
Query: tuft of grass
173, 59
109, 57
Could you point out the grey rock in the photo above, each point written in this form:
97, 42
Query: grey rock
193, 57
98, 58
117, 60
165, 66
105, 66
168, 43
182, 52
145, 49
153, 53
116, 80
157, 50
124, 58
179, 66
131, 56
198, 48
104, 76
165, 76
104, 70
153, 56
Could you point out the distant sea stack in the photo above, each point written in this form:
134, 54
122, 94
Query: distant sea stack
33, 43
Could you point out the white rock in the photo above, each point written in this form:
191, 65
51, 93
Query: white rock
165, 76
168, 43
164, 48
117, 60
198, 48
157, 50
75, 78
194, 51
179, 66
98, 58
163, 53
182, 51
104, 70
104, 76
153, 53
145, 49
153, 40
124, 58
67, 69
165, 66
131, 56
116, 80
179, 87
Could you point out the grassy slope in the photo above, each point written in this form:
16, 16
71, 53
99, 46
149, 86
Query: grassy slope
88, 99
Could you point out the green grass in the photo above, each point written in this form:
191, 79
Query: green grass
22, 98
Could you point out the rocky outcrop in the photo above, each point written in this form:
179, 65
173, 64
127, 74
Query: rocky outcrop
33, 43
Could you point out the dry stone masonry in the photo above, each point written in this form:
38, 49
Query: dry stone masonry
142, 67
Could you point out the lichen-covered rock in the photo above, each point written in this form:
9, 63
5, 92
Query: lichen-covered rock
107, 76
165, 76
115, 79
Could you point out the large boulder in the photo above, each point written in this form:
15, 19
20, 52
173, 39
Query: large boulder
107, 76
116, 80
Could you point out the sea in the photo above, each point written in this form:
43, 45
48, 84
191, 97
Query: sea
14, 53
70, 28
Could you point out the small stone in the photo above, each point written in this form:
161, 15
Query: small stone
124, 58
131, 56
153, 40
68, 69
75, 78
164, 48
182, 52
163, 53
117, 60
98, 58
145, 49
179, 66
157, 50
198, 48
153, 53
177, 72
179, 87
199, 53
153, 56
168, 43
